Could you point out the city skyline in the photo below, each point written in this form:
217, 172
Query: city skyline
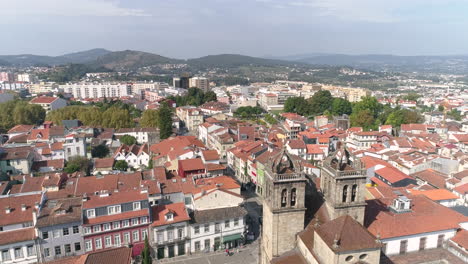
188, 29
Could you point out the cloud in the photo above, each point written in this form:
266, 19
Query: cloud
96, 8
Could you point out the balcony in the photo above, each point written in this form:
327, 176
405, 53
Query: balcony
169, 241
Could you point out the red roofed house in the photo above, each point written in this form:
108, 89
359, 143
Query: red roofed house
113, 219
18, 237
191, 167
462, 192
410, 224
170, 230
297, 147
49, 103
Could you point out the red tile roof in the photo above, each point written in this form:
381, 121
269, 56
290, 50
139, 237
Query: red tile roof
103, 163
210, 155
18, 235
461, 239
191, 164
432, 177
17, 215
435, 194
462, 189
43, 100
20, 129
114, 198
177, 209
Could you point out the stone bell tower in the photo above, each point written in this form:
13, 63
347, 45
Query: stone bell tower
283, 205
343, 183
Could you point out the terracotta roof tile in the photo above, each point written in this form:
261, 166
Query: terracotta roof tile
177, 209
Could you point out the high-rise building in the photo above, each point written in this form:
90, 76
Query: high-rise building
201, 83
185, 80
6, 77
97, 90
176, 82
283, 206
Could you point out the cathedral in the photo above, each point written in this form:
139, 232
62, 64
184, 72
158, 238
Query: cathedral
304, 223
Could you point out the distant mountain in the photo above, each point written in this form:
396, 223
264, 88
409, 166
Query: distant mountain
25, 60
85, 56
453, 63
130, 59
235, 60
4, 63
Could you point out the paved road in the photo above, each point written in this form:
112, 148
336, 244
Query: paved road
247, 255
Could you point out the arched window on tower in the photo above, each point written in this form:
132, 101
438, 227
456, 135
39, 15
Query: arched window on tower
345, 193
293, 196
283, 198
354, 193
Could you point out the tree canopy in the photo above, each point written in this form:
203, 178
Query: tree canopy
20, 112
128, 140
403, 116
121, 165
100, 151
77, 163
248, 111
165, 121
341, 106
150, 118
194, 96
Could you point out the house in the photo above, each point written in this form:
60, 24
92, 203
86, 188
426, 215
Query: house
135, 156
415, 221
17, 160
191, 167
210, 156
105, 256
440, 196
74, 145
18, 237
191, 116
297, 147
114, 219
458, 245
170, 230
19, 130
103, 166
462, 192
142, 135
49, 103
59, 229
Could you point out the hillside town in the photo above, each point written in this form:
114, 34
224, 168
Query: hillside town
289, 172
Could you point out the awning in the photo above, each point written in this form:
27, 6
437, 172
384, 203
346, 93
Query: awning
232, 237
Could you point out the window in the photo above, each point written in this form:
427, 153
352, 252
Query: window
349, 258
144, 220
226, 224
106, 227
403, 246
283, 197
31, 251
45, 235
108, 241
77, 246
293, 196
345, 194
180, 233
117, 241
170, 234
66, 232
126, 238
87, 229
126, 223
160, 236
116, 209
67, 248
97, 228
144, 233
135, 221
217, 228
353, 193
6, 255
56, 233
197, 246
384, 248
136, 206
116, 225
46, 252
58, 251
76, 229
98, 243
363, 256
88, 245
90, 213
422, 243
136, 236
440, 241
236, 221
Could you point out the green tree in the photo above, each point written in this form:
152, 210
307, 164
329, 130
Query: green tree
368, 103
210, 96
128, 140
150, 118
248, 111
412, 96
363, 118
455, 114
341, 106
165, 121
270, 119
77, 163
320, 101
441, 108
297, 105
145, 254
403, 116
121, 165
100, 151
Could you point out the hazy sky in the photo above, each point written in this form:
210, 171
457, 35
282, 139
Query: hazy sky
191, 28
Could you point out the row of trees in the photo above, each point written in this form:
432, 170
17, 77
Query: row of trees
161, 118
195, 97
113, 117
248, 111
20, 112
321, 102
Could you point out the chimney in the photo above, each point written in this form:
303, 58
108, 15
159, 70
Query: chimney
23, 207
36, 205
85, 197
7, 209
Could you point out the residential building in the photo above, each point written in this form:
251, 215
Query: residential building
200, 82
59, 229
74, 145
142, 135
49, 103
191, 116
96, 90
135, 156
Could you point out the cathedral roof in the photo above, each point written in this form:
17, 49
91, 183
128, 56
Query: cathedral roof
346, 234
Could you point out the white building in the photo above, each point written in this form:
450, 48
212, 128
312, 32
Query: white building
97, 90
49, 103
135, 156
